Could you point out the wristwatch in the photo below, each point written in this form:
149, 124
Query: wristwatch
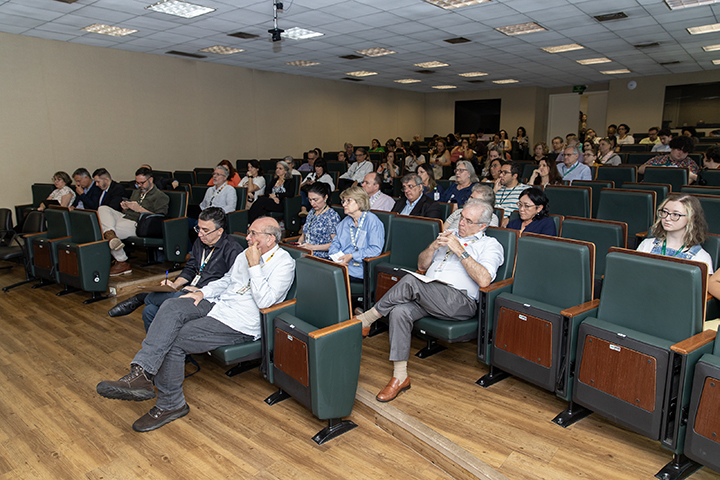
464, 255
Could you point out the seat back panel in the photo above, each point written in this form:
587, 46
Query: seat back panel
707, 421
68, 262
42, 254
526, 336
291, 355
702, 441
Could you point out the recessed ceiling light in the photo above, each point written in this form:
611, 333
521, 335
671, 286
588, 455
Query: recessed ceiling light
615, 72
108, 30
407, 80
716, 62
221, 50
675, 4
361, 73
432, 65
472, 74
712, 48
444, 87
521, 28
297, 33
302, 63
715, 27
502, 82
375, 52
451, 4
593, 61
180, 8
563, 48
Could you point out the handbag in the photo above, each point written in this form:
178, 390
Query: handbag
150, 225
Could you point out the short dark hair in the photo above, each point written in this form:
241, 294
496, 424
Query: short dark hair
665, 132
321, 188
657, 129
145, 172
515, 167
557, 138
713, 153
627, 128
538, 197
612, 125
256, 164
318, 152
683, 143
215, 215
361, 150
415, 149
322, 164
82, 172
101, 172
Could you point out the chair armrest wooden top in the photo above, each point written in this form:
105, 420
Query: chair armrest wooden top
694, 342
496, 285
333, 328
278, 306
582, 308
370, 259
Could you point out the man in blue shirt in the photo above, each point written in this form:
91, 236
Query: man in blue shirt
415, 203
571, 168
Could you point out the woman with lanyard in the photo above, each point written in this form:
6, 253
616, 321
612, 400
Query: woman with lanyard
275, 201
360, 234
679, 230
319, 228
607, 155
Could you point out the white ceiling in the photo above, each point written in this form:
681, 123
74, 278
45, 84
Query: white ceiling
416, 30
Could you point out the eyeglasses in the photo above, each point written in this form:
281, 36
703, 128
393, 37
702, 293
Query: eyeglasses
218, 174
346, 201
140, 184
409, 187
203, 233
525, 206
505, 172
460, 170
253, 233
662, 213
463, 218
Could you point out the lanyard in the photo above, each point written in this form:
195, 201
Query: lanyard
662, 251
204, 260
218, 190
449, 252
354, 233
315, 217
571, 169
502, 199
245, 288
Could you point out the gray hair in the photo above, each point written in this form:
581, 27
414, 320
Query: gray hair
289, 160
487, 194
485, 209
81, 172
288, 169
412, 178
471, 170
224, 170
275, 231
215, 215
575, 149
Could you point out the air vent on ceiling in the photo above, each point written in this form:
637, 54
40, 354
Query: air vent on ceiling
425, 71
244, 35
476, 81
352, 79
610, 16
185, 54
675, 62
646, 45
351, 57
66, 1
457, 40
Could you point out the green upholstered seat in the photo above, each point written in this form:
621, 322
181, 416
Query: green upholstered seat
43, 246
661, 189
40, 191
596, 186
712, 177
677, 177
174, 241
638, 158
604, 234
445, 210
636, 208
702, 190
197, 194
711, 207
241, 193
185, 176
237, 221
202, 177
619, 174
569, 200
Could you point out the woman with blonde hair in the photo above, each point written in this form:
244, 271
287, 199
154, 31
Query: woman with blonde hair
63, 194
274, 201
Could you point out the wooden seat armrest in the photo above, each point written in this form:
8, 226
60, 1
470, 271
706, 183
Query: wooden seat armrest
278, 306
173, 219
382, 255
291, 239
709, 297
333, 328
496, 285
641, 234
93, 243
694, 342
30, 235
582, 308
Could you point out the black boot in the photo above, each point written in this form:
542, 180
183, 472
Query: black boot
128, 306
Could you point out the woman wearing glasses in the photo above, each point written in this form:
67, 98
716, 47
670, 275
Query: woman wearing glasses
319, 228
679, 230
461, 190
534, 214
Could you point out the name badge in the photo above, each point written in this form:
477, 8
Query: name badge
195, 281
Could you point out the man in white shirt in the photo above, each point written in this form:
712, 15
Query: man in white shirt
378, 200
224, 312
221, 194
357, 171
462, 261
572, 168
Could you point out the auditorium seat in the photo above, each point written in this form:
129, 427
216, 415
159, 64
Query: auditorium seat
703, 190
44, 246
15, 244
711, 207
596, 186
661, 189
677, 177
40, 192
636, 208
569, 200
712, 177
619, 174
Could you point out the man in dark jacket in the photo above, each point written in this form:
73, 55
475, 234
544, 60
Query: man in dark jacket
86, 190
415, 203
111, 192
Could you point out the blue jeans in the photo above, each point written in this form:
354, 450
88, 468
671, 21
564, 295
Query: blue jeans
181, 328
152, 305
304, 200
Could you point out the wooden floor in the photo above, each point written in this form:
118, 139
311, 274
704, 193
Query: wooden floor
54, 350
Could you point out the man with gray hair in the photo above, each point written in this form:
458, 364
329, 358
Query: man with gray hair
481, 192
224, 312
221, 194
87, 192
415, 203
458, 263
291, 161
571, 168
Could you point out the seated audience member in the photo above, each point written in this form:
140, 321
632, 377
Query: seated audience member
253, 181
212, 255
224, 312
679, 231
534, 214
233, 178
612, 130
378, 200
546, 174
399, 146
415, 203
680, 149
111, 192
623, 135
690, 133
116, 226
375, 146
414, 158
349, 153
440, 157
162, 183
321, 223
665, 135
319, 174
430, 186
342, 157
87, 192
481, 192
540, 151
652, 138
359, 235
522, 140
357, 171
572, 141
508, 189
462, 151
606, 153
461, 188
309, 166
557, 145
389, 170
572, 168
221, 194
275, 201
63, 193
711, 158
292, 163
590, 157
591, 136
463, 260
493, 162
390, 145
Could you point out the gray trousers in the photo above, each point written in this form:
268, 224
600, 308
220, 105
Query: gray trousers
180, 328
412, 299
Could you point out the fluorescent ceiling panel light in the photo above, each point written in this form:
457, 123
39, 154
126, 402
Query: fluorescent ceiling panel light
712, 48
503, 82
302, 63
472, 74
563, 48
521, 28
452, 4
715, 27
297, 33
361, 73
407, 80
180, 8
444, 87
593, 61
375, 52
615, 72
716, 62
108, 30
221, 50
676, 4
432, 65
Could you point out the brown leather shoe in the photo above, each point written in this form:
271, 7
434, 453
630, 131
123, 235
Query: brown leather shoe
114, 242
120, 268
156, 418
393, 389
136, 385
365, 331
